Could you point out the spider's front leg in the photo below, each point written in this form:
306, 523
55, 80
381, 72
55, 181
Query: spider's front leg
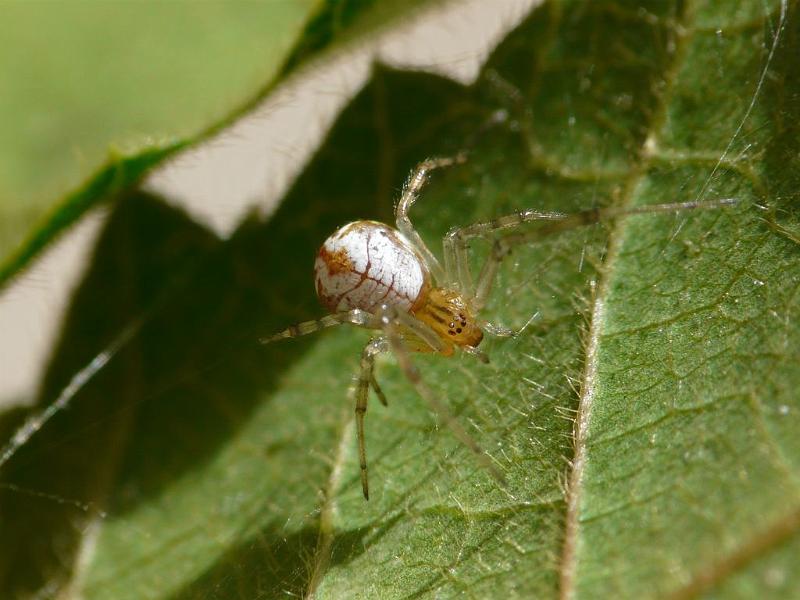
366, 378
425, 340
457, 240
394, 321
411, 190
456, 252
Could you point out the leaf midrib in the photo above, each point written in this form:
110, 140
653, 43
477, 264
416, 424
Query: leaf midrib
766, 539
568, 564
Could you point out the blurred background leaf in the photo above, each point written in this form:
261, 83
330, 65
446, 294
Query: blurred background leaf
109, 88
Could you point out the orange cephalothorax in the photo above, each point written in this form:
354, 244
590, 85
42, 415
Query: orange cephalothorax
447, 314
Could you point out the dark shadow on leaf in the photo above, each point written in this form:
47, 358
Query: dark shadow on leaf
269, 565
275, 565
191, 377
782, 99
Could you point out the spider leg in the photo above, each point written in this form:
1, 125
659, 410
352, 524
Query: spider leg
556, 223
391, 320
431, 341
456, 242
378, 391
477, 353
496, 330
356, 316
366, 379
414, 184
428, 340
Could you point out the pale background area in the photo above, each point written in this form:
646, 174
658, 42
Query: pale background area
248, 166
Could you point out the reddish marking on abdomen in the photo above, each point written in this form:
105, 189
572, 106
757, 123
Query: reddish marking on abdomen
367, 303
337, 261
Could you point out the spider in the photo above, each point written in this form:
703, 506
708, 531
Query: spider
386, 279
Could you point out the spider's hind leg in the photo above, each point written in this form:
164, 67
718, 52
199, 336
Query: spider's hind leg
356, 316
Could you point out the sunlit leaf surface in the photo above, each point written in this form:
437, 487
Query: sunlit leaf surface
226, 469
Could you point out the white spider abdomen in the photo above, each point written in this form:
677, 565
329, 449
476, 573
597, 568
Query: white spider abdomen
366, 264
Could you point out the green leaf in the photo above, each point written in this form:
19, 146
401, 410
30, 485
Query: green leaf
73, 87
105, 90
645, 419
